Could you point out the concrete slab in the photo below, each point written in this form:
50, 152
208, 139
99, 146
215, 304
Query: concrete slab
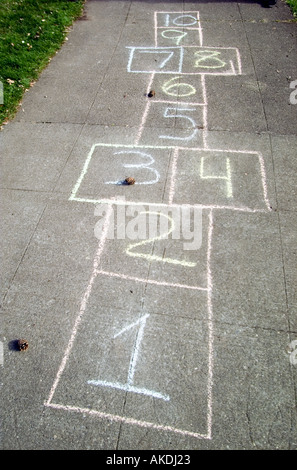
136, 339
38, 161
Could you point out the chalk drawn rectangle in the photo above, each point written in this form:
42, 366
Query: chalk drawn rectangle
175, 19
107, 165
181, 123
177, 28
97, 360
208, 60
173, 251
222, 179
155, 60
170, 391
178, 37
178, 89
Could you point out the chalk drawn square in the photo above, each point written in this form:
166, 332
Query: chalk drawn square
185, 123
186, 116
107, 166
220, 179
155, 59
115, 352
126, 369
179, 89
211, 60
173, 36
166, 262
176, 19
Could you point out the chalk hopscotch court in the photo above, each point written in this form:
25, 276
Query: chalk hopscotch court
129, 382
147, 315
204, 177
191, 60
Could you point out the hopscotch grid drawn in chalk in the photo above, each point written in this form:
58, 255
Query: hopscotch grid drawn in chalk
183, 60
174, 163
191, 274
186, 26
129, 387
173, 54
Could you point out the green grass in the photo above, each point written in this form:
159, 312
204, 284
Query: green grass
31, 31
293, 6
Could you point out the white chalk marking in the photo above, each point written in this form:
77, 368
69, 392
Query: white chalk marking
155, 28
170, 51
164, 62
138, 165
183, 116
129, 388
179, 66
135, 353
181, 14
129, 327
238, 62
263, 179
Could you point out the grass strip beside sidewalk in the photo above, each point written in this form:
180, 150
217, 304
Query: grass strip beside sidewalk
31, 31
293, 5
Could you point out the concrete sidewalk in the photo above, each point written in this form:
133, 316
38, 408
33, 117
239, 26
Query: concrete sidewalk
145, 344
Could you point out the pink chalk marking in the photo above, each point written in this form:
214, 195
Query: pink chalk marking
150, 281
123, 419
210, 325
84, 302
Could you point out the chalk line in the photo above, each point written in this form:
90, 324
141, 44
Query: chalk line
83, 303
210, 325
173, 176
146, 111
123, 419
150, 281
158, 204
129, 388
